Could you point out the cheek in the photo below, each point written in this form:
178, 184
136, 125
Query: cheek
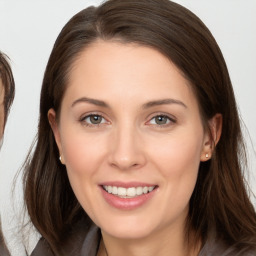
178, 159
178, 162
82, 154
83, 158
178, 154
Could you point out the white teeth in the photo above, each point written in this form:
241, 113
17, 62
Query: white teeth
114, 190
110, 189
145, 190
121, 191
150, 189
131, 192
128, 192
139, 191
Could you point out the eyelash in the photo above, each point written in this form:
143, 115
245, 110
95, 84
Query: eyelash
86, 123
170, 120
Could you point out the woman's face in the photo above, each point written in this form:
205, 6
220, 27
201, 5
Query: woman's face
1, 109
131, 137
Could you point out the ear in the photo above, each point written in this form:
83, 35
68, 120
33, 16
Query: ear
212, 137
55, 128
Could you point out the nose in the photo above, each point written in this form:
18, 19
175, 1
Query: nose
126, 149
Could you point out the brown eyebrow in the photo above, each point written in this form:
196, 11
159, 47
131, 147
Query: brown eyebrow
91, 101
163, 102
146, 105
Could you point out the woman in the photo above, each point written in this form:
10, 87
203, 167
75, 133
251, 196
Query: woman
139, 148
6, 99
7, 89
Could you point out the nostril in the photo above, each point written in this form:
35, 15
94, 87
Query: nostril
125, 165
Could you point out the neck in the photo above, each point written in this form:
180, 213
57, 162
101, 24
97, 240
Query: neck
159, 244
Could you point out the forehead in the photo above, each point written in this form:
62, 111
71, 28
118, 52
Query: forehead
123, 64
126, 72
103, 59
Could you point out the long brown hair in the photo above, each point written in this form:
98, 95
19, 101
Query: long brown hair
6, 77
220, 201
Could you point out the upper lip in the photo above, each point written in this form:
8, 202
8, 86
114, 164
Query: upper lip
127, 184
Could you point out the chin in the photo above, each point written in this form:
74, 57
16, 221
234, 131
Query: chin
129, 233
129, 228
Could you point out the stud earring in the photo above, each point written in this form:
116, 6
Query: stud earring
62, 162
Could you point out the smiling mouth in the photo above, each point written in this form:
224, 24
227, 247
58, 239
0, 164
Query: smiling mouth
130, 192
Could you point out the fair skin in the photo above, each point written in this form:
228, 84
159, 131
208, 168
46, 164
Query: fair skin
1, 109
129, 119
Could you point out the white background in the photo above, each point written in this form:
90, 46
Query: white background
28, 30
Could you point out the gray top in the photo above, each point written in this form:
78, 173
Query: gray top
89, 247
3, 248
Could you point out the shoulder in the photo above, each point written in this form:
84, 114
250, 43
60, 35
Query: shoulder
82, 241
42, 249
3, 249
215, 247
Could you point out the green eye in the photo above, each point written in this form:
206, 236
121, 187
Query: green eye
95, 119
161, 120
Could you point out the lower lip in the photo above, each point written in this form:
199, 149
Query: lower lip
127, 203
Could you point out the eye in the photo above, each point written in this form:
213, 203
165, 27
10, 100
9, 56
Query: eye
93, 119
161, 120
